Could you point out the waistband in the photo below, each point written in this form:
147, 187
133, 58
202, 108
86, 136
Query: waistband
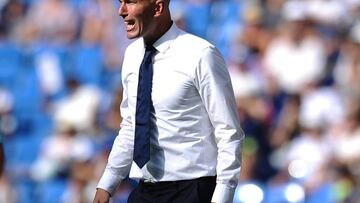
165, 183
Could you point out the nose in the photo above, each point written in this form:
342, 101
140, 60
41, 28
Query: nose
122, 10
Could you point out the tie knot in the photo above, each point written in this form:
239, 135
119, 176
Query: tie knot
150, 50
149, 53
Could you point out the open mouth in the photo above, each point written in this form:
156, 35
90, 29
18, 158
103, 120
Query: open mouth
129, 25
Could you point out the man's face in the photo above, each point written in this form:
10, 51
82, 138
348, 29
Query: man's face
138, 16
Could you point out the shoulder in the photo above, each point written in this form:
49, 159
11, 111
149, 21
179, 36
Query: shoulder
197, 49
194, 49
135, 47
192, 43
132, 55
133, 52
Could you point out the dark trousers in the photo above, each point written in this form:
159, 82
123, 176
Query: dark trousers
198, 190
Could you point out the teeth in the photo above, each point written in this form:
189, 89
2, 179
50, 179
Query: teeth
129, 26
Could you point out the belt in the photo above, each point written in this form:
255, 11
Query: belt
168, 183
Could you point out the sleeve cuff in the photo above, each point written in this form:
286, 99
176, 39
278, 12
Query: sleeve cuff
109, 182
223, 194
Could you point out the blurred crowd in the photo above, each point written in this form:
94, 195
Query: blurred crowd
294, 65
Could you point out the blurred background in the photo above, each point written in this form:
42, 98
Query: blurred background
295, 68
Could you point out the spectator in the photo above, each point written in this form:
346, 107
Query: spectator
296, 57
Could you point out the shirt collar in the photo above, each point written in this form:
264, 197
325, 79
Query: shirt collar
164, 42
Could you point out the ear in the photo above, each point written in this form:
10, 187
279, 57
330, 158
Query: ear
159, 7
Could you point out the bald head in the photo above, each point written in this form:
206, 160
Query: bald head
149, 19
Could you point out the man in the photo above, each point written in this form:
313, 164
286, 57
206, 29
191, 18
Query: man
195, 137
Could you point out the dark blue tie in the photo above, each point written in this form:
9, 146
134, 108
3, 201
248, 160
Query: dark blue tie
143, 109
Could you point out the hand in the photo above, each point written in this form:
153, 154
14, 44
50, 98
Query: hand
101, 196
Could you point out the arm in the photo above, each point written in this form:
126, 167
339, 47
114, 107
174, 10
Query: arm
216, 91
121, 155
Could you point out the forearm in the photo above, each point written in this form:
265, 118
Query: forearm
119, 162
228, 170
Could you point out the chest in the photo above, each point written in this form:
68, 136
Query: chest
172, 85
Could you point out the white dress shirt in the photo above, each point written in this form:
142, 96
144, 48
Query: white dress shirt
197, 128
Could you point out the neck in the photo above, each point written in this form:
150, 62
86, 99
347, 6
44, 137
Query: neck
159, 31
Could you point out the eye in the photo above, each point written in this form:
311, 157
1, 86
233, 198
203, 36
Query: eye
128, 1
